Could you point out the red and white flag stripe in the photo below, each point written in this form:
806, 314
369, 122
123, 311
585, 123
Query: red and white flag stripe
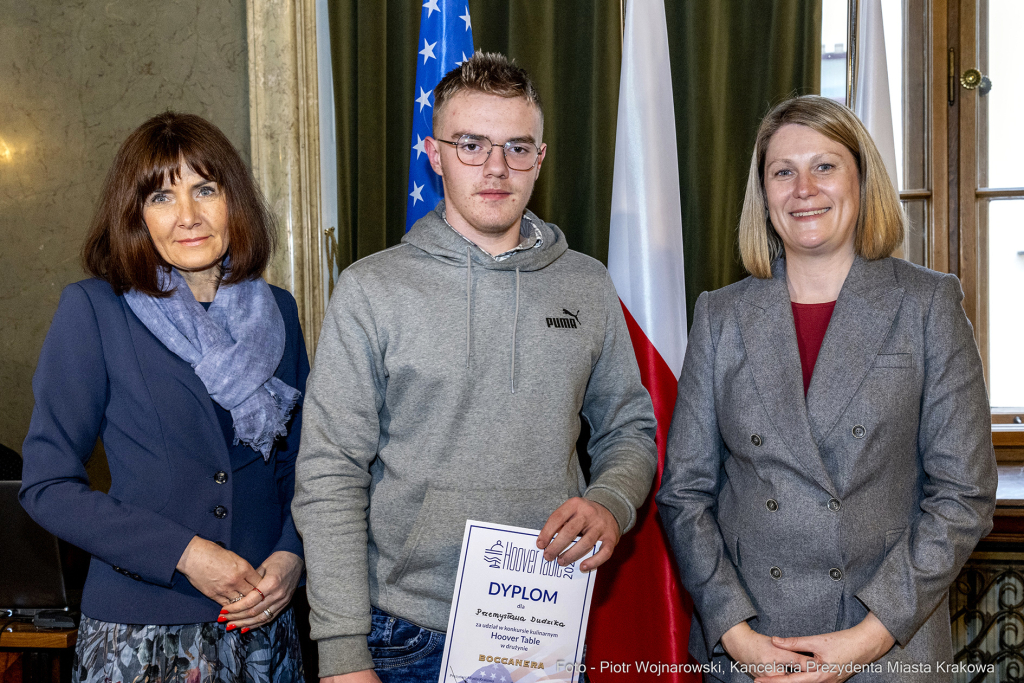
640, 612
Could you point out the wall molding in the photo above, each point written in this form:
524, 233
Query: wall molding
285, 135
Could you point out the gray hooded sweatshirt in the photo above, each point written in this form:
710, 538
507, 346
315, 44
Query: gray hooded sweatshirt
448, 386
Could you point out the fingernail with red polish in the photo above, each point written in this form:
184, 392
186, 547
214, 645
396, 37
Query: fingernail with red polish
222, 618
231, 626
245, 630
223, 611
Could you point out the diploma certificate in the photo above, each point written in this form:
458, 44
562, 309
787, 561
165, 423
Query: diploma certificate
514, 616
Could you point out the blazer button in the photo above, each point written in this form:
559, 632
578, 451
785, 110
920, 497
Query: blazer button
859, 432
220, 512
221, 477
771, 505
835, 574
756, 440
834, 505
775, 572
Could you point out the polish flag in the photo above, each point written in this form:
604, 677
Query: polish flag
872, 102
640, 612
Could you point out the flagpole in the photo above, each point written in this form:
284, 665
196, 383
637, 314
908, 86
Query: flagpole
622, 22
851, 52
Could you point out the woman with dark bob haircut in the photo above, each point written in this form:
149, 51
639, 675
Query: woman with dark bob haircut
829, 467
190, 369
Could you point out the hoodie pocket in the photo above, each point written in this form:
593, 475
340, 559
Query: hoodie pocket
430, 557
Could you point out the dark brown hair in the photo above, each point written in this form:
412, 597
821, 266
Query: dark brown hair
487, 72
119, 248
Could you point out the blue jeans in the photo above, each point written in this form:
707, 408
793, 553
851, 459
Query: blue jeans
404, 652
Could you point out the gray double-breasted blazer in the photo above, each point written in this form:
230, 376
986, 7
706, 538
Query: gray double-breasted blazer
802, 515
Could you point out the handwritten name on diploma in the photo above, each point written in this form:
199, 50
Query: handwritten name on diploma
512, 609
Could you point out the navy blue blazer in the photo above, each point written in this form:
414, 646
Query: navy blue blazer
173, 474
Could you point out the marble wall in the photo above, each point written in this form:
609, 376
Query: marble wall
76, 76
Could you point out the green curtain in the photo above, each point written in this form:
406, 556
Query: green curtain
731, 59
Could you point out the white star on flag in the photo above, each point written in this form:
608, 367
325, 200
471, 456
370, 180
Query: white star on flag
424, 99
440, 41
416, 194
428, 51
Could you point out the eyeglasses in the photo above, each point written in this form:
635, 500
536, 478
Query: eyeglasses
474, 150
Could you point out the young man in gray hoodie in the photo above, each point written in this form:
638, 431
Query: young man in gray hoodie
449, 379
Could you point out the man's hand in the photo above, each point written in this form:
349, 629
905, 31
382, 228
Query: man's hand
219, 574
365, 676
579, 517
862, 644
281, 573
747, 646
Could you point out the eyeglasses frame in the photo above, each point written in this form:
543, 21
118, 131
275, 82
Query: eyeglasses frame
504, 149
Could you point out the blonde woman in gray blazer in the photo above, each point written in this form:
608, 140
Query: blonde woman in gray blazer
819, 532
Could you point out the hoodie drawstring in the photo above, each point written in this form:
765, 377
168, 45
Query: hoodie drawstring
515, 321
469, 298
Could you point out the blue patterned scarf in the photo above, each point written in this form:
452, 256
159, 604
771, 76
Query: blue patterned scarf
235, 347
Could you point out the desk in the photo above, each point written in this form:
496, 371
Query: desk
45, 655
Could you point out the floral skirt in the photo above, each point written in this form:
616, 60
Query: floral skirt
187, 653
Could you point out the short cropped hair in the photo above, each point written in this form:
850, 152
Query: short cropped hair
881, 222
119, 248
487, 72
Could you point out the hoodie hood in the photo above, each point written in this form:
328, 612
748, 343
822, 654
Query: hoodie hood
433, 235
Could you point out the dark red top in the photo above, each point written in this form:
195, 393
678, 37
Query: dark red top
811, 322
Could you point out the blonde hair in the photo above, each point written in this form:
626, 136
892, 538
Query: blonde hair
881, 221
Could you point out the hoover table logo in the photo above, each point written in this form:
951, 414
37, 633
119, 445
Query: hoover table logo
511, 557
570, 323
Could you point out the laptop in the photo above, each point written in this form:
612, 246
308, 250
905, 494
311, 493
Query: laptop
31, 572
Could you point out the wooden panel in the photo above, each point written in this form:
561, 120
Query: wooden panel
27, 636
1008, 522
939, 208
1008, 455
1007, 436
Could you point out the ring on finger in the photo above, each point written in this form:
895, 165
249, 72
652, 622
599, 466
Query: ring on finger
270, 615
262, 596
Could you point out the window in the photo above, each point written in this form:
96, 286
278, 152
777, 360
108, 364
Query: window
958, 142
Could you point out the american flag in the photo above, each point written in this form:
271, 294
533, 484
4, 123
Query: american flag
446, 40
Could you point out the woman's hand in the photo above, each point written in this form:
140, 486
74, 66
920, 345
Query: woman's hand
219, 574
748, 647
268, 596
862, 644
